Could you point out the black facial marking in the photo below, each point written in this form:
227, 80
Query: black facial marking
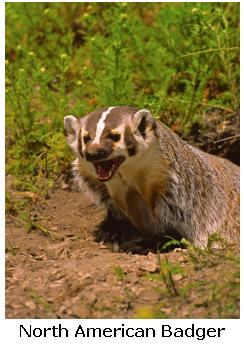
130, 142
86, 138
131, 151
114, 136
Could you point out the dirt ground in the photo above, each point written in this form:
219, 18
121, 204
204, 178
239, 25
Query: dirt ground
59, 271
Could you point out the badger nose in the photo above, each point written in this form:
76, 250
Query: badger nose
95, 152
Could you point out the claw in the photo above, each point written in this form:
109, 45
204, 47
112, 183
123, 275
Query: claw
124, 237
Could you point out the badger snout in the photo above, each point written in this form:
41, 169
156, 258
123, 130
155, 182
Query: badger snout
95, 152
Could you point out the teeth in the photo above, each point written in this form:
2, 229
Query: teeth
106, 169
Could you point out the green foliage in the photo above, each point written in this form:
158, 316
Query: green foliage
120, 273
41, 301
187, 285
166, 273
69, 58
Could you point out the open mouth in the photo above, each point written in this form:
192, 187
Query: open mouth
106, 169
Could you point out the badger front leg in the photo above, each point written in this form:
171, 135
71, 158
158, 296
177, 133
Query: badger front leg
115, 227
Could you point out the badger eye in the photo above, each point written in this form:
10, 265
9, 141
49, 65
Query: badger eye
114, 136
86, 138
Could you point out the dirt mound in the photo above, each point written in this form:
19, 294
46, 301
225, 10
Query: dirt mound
57, 271
220, 135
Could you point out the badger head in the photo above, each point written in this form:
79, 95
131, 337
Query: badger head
109, 137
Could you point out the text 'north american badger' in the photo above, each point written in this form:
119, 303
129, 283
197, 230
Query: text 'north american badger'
150, 180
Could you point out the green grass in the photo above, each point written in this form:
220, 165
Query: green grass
120, 273
200, 290
39, 300
177, 59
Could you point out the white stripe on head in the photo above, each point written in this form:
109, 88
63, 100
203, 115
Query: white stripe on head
101, 125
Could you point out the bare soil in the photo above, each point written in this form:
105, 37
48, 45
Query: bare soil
55, 269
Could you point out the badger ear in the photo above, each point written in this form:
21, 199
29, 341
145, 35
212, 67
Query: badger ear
71, 131
142, 120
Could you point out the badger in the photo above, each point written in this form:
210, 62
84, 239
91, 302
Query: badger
151, 182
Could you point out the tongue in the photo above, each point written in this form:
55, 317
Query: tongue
104, 169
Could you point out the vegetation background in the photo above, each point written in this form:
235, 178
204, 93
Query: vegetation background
180, 60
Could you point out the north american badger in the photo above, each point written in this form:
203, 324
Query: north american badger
150, 180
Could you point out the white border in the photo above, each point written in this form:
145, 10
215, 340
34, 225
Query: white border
229, 337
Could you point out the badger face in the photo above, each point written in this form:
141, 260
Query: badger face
109, 137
